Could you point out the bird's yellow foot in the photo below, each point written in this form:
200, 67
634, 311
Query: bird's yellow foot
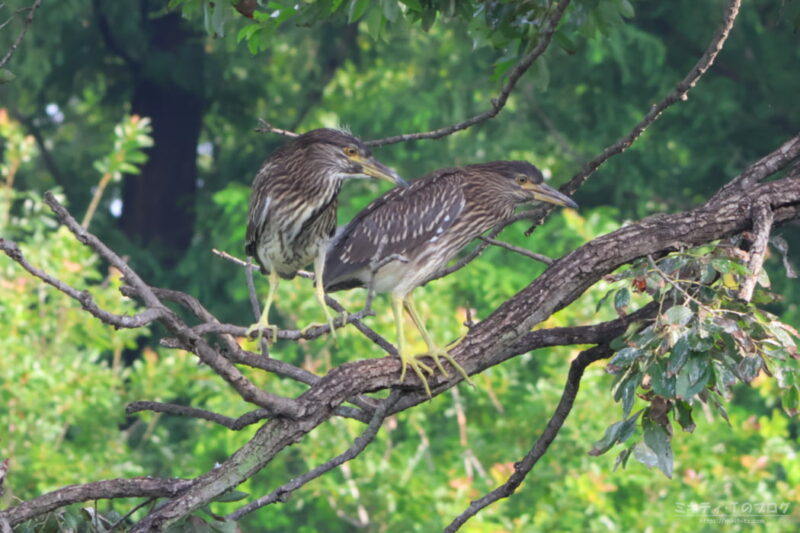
436, 353
330, 321
417, 366
259, 328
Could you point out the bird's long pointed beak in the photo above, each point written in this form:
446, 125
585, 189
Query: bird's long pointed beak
374, 168
546, 193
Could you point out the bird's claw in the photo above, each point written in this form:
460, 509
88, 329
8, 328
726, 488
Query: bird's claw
437, 353
259, 328
330, 321
418, 367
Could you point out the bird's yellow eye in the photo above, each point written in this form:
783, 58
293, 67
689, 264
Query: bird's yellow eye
521, 180
350, 151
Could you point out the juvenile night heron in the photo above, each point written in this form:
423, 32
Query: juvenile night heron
293, 206
426, 224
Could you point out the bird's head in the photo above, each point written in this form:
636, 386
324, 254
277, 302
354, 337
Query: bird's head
344, 156
524, 183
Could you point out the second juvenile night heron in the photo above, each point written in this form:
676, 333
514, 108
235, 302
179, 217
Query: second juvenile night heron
424, 226
293, 206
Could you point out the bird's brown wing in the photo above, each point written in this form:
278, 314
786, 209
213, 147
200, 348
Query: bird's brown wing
260, 200
408, 218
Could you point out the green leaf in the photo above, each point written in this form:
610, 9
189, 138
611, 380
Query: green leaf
658, 441
565, 42
683, 415
728, 266
678, 356
791, 401
661, 384
621, 301
391, 9
357, 9
603, 299
219, 17
678, 315
626, 391
628, 427
6, 76
609, 439
428, 18
623, 359
626, 9
622, 458
748, 368
692, 378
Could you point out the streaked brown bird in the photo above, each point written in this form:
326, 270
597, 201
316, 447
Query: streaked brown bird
293, 206
424, 226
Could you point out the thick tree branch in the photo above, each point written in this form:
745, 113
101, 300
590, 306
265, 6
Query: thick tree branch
25, 25
99, 490
522, 468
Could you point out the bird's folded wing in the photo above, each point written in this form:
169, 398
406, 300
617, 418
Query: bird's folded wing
402, 221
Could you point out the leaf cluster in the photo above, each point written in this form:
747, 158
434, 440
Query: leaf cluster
703, 340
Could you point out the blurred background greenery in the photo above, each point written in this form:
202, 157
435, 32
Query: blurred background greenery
203, 74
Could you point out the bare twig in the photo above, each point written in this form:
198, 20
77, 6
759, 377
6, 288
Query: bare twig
235, 260
522, 251
83, 297
282, 493
193, 412
679, 93
266, 127
498, 103
767, 165
522, 468
311, 333
224, 368
127, 515
287, 334
762, 225
25, 25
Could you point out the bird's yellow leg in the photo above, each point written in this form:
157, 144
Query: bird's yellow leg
434, 350
263, 321
319, 290
405, 358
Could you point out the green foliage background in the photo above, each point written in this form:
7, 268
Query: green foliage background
65, 377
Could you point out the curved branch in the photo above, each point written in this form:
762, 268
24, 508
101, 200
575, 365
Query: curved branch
679, 93
193, 412
25, 25
247, 390
502, 98
83, 297
522, 468
99, 490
